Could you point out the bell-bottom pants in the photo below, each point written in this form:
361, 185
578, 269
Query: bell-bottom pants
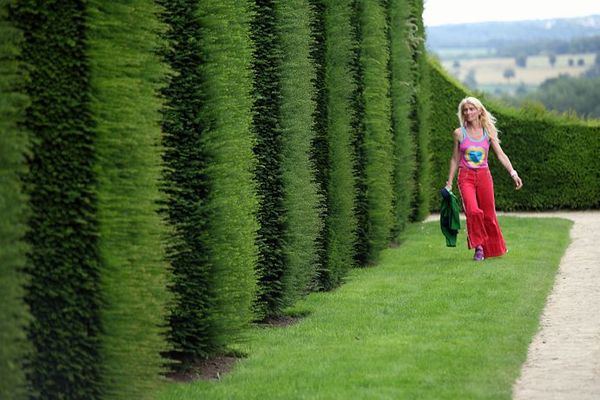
477, 191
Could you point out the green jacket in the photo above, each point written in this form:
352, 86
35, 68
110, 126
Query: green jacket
449, 217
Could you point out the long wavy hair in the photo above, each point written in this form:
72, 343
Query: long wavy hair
487, 120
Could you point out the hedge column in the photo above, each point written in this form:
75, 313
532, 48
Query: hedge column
334, 153
420, 110
374, 137
63, 289
284, 123
124, 75
301, 198
13, 144
208, 175
402, 90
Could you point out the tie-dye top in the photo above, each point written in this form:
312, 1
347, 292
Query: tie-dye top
474, 153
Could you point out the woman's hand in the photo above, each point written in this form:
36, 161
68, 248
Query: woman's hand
517, 180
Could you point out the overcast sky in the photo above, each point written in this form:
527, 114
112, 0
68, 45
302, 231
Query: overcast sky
440, 12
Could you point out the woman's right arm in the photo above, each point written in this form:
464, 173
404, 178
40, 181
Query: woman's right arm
454, 159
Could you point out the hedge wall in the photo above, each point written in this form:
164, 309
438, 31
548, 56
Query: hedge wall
334, 153
13, 145
301, 198
374, 137
285, 101
402, 92
282, 142
554, 154
63, 291
421, 108
271, 215
208, 161
123, 78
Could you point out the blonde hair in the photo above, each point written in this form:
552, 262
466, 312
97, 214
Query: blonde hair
487, 120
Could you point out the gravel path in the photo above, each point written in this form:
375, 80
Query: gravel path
563, 361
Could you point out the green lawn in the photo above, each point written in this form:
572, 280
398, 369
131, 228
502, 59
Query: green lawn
426, 323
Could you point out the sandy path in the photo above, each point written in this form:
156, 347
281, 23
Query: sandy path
563, 361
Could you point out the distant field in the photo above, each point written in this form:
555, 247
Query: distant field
491, 71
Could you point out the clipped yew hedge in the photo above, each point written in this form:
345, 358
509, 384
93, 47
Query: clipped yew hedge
420, 111
333, 147
124, 76
63, 289
284, 122
188, 167
207, 177
403, 91
373, 141
302, 199
555, 155
13, 147
272, 216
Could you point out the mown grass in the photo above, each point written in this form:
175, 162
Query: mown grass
426, 323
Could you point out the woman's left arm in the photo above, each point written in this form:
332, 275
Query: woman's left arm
505, 161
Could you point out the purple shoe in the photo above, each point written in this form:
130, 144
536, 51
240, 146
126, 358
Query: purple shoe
478, 254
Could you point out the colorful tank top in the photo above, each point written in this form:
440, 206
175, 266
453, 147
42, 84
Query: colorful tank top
474, 153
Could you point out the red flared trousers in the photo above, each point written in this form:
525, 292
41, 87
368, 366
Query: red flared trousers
477, 192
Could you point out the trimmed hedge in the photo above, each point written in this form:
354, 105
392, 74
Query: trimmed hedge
553, 154
272, 215
402, 89
208, 174
124, 76
63, 264
301, 198
420, 111
289, 212
333, 149
13, 145
374, 165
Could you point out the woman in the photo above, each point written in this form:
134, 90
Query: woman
472, 141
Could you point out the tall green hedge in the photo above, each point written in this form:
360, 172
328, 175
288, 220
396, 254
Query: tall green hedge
13, 146
302, 201
284, 108
402, 89
269, 171
208, 174
334, 153
552, 153
374, 136
63, 264
124, 76
421, 109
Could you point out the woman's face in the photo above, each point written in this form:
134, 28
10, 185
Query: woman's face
470, 112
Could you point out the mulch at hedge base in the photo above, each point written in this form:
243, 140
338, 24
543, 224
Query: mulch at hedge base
217, 366
211, 368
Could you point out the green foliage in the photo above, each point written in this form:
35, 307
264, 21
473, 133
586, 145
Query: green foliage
401, 93
568, 94
420, 111
13, 145
186, 186
63, 289
208, 174
361, 206
124, 76
271, 214
374, 136
333, 147
301, 198
320, 144
552, 153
